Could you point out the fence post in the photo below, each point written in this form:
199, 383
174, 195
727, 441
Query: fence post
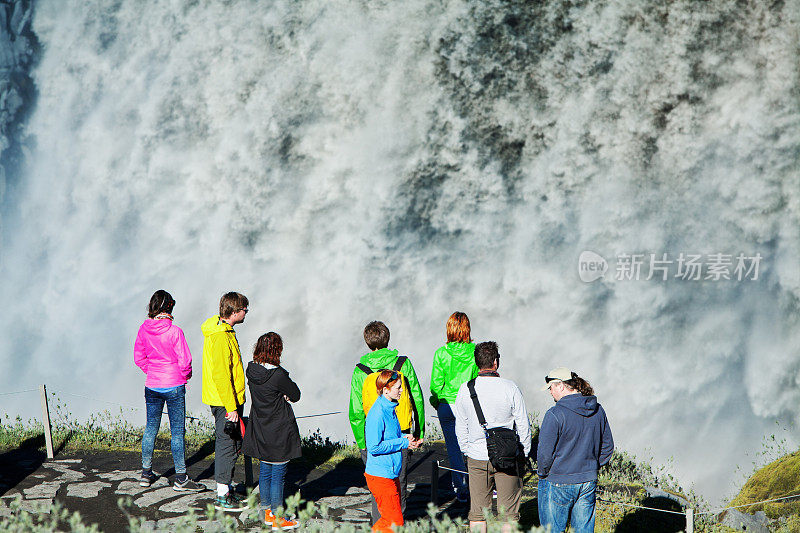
435, 482
48, 436
689, 520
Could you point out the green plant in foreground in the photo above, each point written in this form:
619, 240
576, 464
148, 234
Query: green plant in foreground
313, 518
43, 518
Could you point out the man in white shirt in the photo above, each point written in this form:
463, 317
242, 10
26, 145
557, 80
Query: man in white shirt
503, 406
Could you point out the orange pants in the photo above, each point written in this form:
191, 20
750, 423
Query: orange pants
387, 495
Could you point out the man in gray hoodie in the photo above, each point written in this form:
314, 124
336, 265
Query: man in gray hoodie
574, 442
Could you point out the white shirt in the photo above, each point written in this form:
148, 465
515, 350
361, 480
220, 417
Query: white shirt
502, 405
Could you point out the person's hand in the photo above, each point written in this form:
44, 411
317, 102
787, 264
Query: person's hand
413, 443
434, 400
233, 416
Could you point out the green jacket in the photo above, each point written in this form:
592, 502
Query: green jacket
453, 365
383, 358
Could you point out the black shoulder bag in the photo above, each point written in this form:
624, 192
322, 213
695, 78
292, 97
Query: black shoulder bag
505, 450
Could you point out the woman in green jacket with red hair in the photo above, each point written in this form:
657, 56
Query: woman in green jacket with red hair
453, 365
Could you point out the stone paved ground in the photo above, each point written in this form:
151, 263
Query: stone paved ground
91, 483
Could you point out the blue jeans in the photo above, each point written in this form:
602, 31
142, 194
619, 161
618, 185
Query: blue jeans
176, 411
270, 485
454, 455
557, 501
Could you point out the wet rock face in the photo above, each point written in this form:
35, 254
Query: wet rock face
18, 52
746, 522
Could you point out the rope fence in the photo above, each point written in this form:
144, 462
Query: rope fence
689, 513
96, 399
751, 504
138, 408
48, 428
640, 507
17, 392
321, 414
438, 464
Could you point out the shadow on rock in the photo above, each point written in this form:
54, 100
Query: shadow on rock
654, 521
19, 463
529, 514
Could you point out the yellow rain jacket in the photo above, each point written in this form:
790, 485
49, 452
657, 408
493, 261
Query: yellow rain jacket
223, 374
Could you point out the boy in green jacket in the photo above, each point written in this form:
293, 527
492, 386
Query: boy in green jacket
376, 335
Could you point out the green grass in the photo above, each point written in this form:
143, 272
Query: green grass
775, 480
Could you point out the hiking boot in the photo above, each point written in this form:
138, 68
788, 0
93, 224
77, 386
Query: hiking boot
278, 523
187, 485
229, 502
148, 478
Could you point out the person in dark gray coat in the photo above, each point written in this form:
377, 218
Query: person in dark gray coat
272, 435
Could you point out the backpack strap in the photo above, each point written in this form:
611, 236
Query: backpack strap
364, 368
415, 424
401, 360
474, 396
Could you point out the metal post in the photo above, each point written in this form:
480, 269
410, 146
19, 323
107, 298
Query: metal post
248, 471
689, 520
48, 435
435, 482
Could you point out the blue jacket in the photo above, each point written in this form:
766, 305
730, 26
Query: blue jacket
384, 439
574, 440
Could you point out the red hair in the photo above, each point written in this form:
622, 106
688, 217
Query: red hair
458, 328
385, 380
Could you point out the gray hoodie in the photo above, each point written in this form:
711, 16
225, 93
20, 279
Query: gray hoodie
574, 440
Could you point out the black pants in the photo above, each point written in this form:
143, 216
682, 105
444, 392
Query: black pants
403, 483
225, 448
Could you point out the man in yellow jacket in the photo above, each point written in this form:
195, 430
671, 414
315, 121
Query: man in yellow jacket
223, 390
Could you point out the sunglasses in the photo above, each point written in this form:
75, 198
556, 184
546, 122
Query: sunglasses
394, 377
548, 379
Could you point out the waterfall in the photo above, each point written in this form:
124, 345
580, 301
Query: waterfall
343, 161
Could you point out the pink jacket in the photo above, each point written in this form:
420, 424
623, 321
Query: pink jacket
162, 353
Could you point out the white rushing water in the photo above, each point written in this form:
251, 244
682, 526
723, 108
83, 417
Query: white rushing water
343, 161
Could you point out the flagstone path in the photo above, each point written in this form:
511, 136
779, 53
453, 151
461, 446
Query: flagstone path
93, 483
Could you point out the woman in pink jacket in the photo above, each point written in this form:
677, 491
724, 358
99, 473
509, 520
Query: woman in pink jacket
163, 355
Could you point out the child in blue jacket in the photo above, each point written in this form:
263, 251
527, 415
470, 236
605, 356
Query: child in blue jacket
384, 442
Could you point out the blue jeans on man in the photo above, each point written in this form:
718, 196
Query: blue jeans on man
175, 400
561, 504
448, 422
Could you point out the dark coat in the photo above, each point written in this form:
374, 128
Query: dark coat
272, 433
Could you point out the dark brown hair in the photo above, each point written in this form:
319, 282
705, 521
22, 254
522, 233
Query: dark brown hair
268, 349
385, 380
486, 353
160, 302
458, 328
579, 384
232, 302
376, 335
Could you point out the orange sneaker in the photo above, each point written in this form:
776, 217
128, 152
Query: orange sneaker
278, 523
